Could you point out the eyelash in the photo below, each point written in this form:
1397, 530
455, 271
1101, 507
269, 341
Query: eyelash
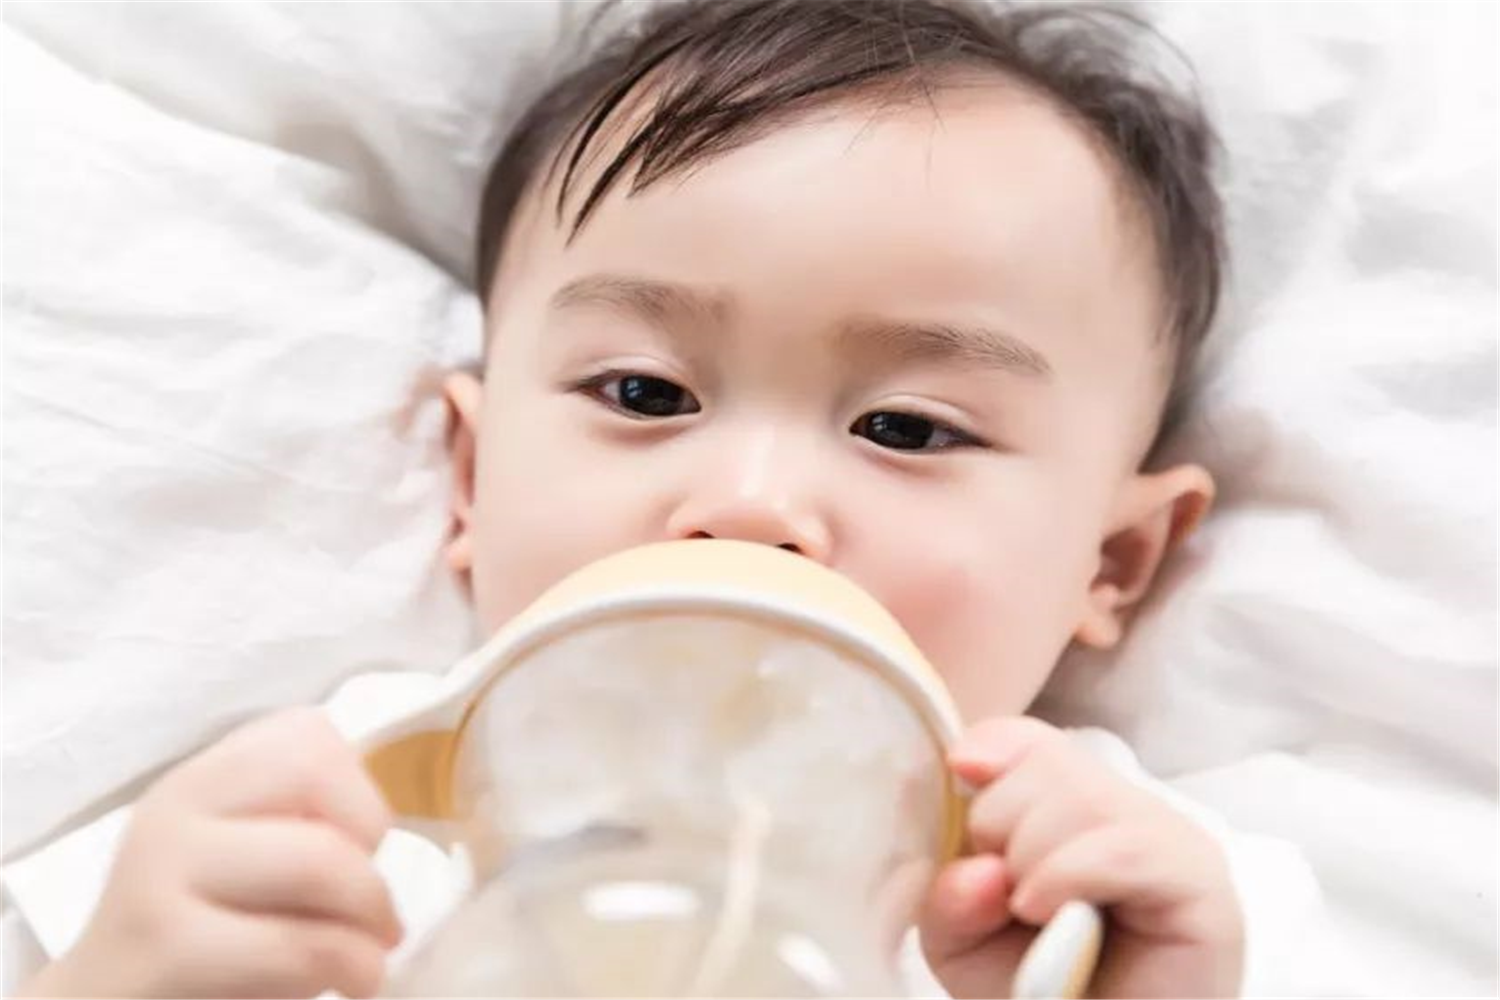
595, 386
958, 439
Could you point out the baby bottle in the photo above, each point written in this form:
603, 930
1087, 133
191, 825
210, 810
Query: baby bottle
695, 768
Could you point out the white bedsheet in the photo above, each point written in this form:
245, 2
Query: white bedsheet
234, 243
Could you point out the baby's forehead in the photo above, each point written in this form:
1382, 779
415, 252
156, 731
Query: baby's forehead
979, 184
974, 143
985, 116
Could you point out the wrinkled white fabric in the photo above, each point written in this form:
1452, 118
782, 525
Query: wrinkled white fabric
234, 239
1322, 664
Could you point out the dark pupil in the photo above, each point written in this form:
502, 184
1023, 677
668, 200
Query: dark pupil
898, 430
652, 396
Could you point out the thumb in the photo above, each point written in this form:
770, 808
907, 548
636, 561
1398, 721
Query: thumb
966, 904
969, 938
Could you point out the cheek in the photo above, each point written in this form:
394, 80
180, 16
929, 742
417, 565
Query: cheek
992, 609
542, 510
983, 636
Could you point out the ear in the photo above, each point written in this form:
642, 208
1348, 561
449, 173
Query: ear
464, 394
1156, 512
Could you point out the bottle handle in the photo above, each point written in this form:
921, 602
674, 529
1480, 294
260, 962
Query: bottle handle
411, 764
1062, 958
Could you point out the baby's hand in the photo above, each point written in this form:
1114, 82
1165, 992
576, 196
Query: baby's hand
1050, 823
247, 872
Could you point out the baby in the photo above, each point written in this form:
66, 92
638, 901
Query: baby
907, 288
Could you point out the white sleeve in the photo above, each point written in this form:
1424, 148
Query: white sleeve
1291, 945
21, 954
52, 892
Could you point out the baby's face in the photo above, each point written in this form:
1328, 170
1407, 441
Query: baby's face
920, 349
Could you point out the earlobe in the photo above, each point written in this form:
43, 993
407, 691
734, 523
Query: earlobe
459, 552
1157, 511
464, 394
1101, 627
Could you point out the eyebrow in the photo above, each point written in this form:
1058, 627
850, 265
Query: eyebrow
659, 302
667, 303
945, 343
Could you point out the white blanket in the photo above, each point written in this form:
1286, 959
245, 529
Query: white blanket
235, 237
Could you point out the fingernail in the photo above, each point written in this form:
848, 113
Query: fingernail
1022, 903
972, 766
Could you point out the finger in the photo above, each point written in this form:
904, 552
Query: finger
996, 811
296, 867
989, 968
992, 748
292, 763
314, 956
1044, 827
965, 905
1109, 865
328, 956
230, 953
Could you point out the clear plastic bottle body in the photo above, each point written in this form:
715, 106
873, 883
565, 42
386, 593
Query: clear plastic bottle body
637, 920
687, 804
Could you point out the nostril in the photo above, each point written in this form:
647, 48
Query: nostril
700, 534
789, 547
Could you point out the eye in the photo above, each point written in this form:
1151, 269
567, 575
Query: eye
642, 396
909, 432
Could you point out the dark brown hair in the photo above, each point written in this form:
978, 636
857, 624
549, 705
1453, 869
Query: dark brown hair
720, 73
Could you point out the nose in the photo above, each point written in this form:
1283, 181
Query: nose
755, 489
